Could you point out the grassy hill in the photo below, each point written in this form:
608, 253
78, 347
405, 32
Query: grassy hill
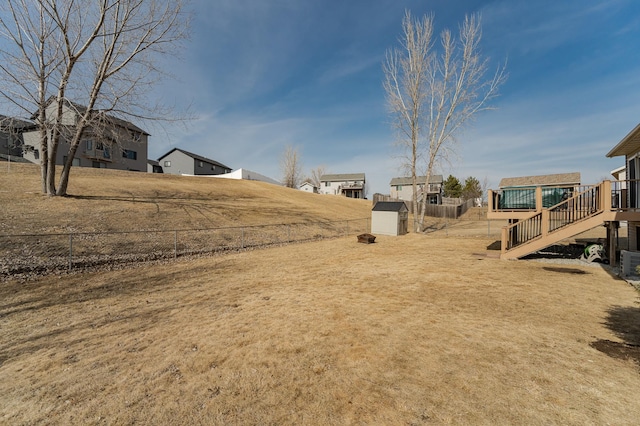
419, 329
110, 200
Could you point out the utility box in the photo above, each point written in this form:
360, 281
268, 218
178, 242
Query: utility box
390, 218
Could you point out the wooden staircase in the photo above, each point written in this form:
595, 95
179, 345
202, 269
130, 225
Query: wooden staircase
586, 209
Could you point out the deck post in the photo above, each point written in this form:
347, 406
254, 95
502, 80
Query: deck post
612, 239
544, 223
538, 199
607, 195
504, 241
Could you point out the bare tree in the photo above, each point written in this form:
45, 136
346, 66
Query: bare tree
101, 54
316, 174
291, 167
11, 130
431, 95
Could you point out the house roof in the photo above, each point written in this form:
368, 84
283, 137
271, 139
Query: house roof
195, 157
115, 120
153, 162
420, 179
15, 123
307, 183
542, 180
630, 144
342, 177
389, 206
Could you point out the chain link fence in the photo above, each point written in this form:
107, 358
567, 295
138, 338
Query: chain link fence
42, 253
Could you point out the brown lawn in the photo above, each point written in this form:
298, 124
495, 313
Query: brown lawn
419, 329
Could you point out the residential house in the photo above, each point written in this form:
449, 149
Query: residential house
110, 142
402, 188
627, 189
352, 185
180, 162
308, 187
11, 136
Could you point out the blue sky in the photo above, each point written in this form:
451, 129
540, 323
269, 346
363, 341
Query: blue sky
261, 74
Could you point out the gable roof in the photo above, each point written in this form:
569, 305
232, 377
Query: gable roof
113, 119
195, 157
630, 144
14, 123
420, 179
389, 206
541, 180
342, 177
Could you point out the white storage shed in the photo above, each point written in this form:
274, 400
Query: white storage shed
389, 218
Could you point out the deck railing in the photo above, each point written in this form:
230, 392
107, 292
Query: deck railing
586, 202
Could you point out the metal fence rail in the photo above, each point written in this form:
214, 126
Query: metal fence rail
29, 253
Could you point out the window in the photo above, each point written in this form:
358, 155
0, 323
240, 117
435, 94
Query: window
399, 188
100, 146
213, 167
167, 163
106, 153
88, 145
131, 155
326, 184
98, 165
36, 154
200, 164
75, 162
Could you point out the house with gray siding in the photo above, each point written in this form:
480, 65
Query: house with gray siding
11, 139
402, 188
113, 143
181, 162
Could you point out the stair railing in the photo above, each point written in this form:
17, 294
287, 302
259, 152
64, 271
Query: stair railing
584, 203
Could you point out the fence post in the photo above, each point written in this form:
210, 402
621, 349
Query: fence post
175, 244
70, 251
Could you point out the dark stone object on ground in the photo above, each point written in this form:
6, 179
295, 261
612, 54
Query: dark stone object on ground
366, 238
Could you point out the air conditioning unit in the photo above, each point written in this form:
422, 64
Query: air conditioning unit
628, 262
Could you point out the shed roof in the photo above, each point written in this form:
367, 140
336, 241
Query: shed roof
630, 144
196, 157
541, 180
389, 206
342, 177
420, 179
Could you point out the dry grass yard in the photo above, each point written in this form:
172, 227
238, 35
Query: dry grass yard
419, 329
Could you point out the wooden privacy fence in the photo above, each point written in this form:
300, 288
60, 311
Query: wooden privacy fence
449, 211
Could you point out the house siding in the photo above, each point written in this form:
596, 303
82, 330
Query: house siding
345, 184
177, 163
180, 162
120, 141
